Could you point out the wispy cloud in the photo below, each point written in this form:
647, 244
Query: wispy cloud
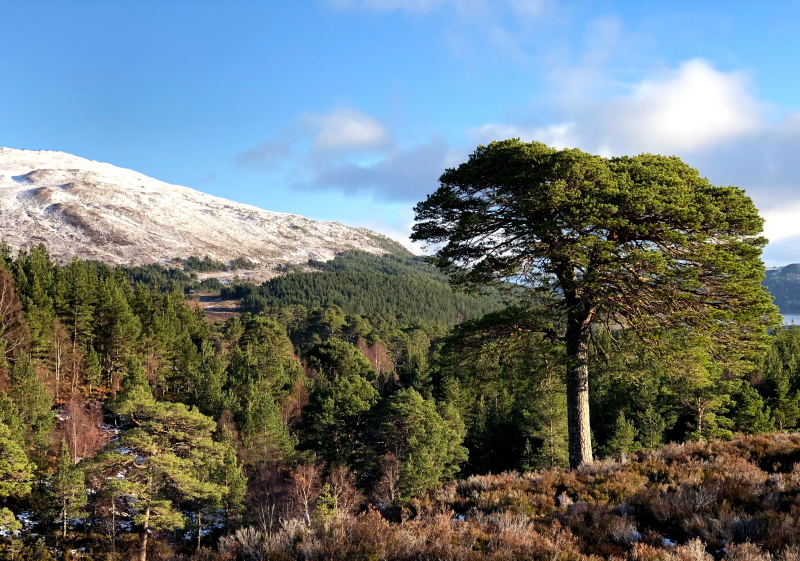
502, 26
352, 152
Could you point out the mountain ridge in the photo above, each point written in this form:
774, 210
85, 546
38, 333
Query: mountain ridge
94, 210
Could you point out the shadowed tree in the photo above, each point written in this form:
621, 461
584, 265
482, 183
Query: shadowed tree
644, 242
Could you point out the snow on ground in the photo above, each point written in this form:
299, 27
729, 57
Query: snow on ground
99, 211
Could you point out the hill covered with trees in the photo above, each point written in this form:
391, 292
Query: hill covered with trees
784, 285
392, 286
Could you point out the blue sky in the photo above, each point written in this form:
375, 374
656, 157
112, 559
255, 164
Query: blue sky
349, 110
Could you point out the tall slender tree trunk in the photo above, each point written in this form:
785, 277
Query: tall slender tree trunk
145, 535
577, 342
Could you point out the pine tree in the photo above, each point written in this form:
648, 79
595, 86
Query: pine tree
428, 447
336, 418
76, 302
12, 419
35, 275
230, 476
168, 455
67, 489
33, 401
117, 327
16, 472
651, 428
748, 411
622, 439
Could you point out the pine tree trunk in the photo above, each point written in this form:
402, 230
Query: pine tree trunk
64, 516
577, 342
145, 535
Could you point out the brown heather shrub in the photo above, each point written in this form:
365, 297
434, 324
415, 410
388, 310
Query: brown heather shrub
736, 500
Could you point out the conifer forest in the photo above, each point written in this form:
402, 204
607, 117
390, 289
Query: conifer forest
327, 423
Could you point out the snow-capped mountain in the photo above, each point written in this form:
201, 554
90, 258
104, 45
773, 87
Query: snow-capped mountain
99, 211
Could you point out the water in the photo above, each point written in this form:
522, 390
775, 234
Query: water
789, 318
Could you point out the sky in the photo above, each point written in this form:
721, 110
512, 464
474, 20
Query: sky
350, 110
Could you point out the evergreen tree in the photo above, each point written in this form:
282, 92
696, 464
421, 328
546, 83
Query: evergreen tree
645, 240
12, 419
651, 428
336, 418
33, 401
781, 369
75, 300
548, 417
167, 453
35, 275
428, 447
749, 413
230, 476
622, 439
16, 472
117, 326
67, 489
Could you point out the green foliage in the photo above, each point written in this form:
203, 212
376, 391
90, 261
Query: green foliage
204, 265
506, 381
427, 444
641, 240
622, 440
167, 454
366, 284
337, 416
67, 489
389, 401
12, 419
33, 401
15, 468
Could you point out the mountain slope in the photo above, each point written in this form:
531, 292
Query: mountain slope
98, 211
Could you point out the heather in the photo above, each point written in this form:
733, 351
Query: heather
735, 500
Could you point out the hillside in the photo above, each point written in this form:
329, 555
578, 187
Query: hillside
101, 212
360, 283
784, 285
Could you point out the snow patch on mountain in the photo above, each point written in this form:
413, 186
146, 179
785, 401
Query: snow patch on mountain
99, 211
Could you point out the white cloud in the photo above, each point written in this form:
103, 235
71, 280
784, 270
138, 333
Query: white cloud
692, 108
560, 135
689, 109
341, 130
354, 153
782, 222
347, 129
